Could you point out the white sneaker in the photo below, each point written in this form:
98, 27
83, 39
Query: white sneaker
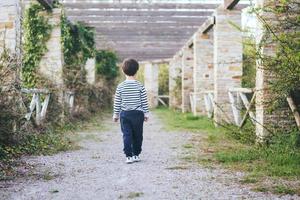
129, 160
136, 159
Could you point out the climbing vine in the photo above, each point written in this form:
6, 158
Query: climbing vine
78, 45
37, 31
106, 64
284, 37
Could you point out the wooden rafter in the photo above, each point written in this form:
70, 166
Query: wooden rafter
230, 4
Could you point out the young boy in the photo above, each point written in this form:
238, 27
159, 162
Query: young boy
131, 107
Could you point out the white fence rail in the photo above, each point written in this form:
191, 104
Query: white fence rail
195, 98
238, 100
209, 103
161, 99
37, 104
69, 98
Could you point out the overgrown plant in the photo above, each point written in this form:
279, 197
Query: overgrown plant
78, 46
37, 31
106, 64
11, 102
163, 79
281, 22
249, 63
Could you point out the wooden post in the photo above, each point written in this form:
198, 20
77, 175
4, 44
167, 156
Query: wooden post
38, 109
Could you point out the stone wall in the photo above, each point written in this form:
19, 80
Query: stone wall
51, 65
151, 83
175, 73
187, 77
203, 68
10, 25
228, 52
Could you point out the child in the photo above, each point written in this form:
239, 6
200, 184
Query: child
131, 107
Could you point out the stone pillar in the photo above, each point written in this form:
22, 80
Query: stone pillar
203, 67
90, 68
151, 83
10, 25
187, 77
228, 59
175, 81
51, 65
281, 118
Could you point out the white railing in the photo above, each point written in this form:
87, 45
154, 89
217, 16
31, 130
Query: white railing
238, 99
195, 98
37, 104
69, 100
209, 102
161, 97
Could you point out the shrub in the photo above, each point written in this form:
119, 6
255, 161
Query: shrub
106, 64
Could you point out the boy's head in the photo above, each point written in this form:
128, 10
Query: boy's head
130, 67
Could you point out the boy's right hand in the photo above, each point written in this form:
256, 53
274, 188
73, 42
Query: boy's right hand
146, 119
115, 119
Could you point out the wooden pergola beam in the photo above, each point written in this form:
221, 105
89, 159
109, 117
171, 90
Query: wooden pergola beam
144, 19
149, 6
136, 13
207, 25
230, 4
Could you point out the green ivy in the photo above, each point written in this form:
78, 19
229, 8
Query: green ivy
78, 45
284, 65
36, 33
106, 64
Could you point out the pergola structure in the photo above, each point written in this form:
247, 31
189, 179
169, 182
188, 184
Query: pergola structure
144, 31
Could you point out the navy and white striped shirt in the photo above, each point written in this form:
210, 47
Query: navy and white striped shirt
130, 95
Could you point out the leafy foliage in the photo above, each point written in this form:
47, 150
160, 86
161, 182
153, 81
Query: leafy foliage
163, 79
78, 45
106, 64
249, 63
284, 37
36, 33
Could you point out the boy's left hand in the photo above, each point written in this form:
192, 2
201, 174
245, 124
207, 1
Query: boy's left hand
146, 119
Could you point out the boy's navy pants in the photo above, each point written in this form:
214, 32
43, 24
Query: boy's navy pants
132, 128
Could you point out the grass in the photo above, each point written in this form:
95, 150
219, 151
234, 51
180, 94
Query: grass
177, 121
270, 164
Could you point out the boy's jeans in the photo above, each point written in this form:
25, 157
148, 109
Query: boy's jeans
132, 128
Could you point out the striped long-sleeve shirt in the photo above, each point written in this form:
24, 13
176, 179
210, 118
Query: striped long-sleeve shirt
130, 95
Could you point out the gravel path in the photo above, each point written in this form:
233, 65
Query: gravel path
97, 171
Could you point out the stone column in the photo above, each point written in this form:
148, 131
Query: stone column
175, 74
151, 83
228, 53
187, 77
203, 67
279, 118
51, 65
10, 25
90, 68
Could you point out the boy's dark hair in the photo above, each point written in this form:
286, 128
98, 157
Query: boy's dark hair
130, 67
